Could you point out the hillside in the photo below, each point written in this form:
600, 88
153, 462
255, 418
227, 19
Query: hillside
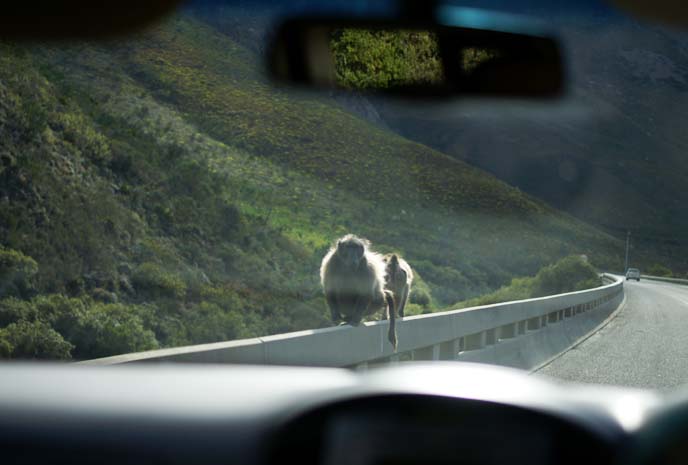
612, 155
158, 192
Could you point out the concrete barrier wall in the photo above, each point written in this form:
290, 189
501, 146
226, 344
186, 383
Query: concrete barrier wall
536, 347
520, 334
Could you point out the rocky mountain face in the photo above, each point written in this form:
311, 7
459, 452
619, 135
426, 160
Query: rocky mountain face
613, 153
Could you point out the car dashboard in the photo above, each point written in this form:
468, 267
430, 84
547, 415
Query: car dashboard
417, 429
430, 414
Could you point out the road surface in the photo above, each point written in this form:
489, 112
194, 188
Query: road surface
645, 345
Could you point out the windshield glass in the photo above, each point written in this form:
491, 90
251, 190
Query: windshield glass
160, 191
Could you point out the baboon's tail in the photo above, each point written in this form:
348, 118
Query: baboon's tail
391, 314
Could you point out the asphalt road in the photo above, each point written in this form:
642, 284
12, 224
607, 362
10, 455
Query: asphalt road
645, 345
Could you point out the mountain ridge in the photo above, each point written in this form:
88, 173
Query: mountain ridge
168, 194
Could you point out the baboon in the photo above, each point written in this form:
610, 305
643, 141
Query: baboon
353, 278
398, 279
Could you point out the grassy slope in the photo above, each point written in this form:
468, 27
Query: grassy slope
569, 274
166, 174
303, 134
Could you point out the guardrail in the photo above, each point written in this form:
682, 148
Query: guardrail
662, 278
651, 277
522, 334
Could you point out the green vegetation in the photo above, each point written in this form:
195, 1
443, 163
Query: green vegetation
659, 270
381, 59
157, 192
369, 59
26, 339
472, 57
16, 273
55, 326
569, 274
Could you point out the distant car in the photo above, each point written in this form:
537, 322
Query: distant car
633, 273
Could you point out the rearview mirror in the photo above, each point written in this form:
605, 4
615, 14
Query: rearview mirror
416, 59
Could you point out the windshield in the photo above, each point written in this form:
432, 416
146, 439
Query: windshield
159, 191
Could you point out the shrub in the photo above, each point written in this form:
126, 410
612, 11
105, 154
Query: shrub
62, 313
567, 275
518, 289
33, 340
5, 346
195, 280
223, 296
208, 322
13, 310
153, 281
76, 130
90, 329
109, 329
103, 295
166, 322
231, 220
16, 273
659, 270
420, 297
57, 310
385, 58
413, 309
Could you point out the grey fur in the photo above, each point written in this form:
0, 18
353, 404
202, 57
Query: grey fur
353, 279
